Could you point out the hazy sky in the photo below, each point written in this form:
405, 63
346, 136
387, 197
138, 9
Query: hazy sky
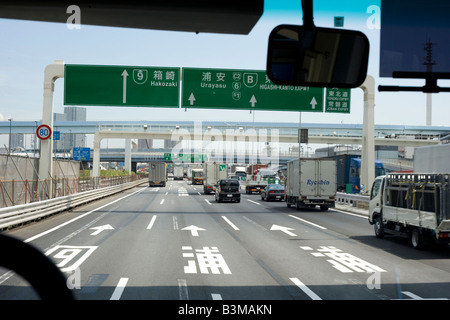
26, 47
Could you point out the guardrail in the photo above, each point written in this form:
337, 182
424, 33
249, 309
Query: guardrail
355, 200
20, 214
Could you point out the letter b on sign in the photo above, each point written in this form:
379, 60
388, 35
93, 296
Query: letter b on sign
250, 79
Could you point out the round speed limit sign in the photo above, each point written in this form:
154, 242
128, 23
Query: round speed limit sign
43, 132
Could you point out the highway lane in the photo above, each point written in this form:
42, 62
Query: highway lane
175, 243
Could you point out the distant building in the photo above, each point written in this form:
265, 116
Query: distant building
70, 140
17, 141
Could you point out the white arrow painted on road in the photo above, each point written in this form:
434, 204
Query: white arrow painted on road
253, 100
124, 75
194, 230
284, 229
100, 229
191, 99
313, 103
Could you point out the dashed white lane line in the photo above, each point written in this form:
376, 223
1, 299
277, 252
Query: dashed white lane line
81, 216
162, 201
150, 225
183, 289
216, 296
230, 223
305, 289
119, 289
305, 221
254, 202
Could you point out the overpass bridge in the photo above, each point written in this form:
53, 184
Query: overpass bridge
221, 136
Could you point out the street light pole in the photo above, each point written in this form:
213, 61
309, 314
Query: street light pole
9, 144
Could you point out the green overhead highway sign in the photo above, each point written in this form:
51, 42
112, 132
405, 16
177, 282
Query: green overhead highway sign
121, 86
337, 100
245, 89
185, 157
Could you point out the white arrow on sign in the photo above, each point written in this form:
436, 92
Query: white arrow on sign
194, 230
124, 75
284, 229
253, 100
191, 99
313, 103
100, 229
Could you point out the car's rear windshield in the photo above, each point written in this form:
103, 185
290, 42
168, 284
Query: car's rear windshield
229, 183
276, 187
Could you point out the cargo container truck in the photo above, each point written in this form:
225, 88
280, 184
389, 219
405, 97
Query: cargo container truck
311, 182
432, 159
157, 174
178, 172
348, 172
197, 176
212, 173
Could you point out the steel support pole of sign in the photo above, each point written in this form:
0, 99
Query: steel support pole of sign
96, 161
128, 155
51, 73
368, 138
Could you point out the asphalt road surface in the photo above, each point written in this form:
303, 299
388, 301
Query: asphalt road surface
176, 243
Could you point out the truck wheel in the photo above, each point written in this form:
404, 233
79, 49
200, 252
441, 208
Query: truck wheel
416, 239
378, 227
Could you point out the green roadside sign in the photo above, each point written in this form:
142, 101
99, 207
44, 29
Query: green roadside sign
337, 100
121, 86
185, 157
245, 89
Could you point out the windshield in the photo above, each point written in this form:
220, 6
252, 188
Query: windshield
229, 183
276, 187
86, 109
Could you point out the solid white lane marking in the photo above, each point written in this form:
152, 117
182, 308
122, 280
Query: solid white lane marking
79, 217
313, 224
416, 297
230, 223
150, 225
119, 289
350, 214
305, 289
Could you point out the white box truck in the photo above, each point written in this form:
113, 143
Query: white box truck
178, 172
412, 205
311, 182
212, 173
432, 159
157, 174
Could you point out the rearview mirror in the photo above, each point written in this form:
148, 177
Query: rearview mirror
317, 57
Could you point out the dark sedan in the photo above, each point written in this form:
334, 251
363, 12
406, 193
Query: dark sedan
273, 192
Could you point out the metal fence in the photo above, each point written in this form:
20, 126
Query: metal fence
16, 192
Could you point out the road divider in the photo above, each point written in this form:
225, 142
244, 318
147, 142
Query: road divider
25, 213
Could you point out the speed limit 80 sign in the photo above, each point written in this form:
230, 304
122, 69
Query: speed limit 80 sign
43, 132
